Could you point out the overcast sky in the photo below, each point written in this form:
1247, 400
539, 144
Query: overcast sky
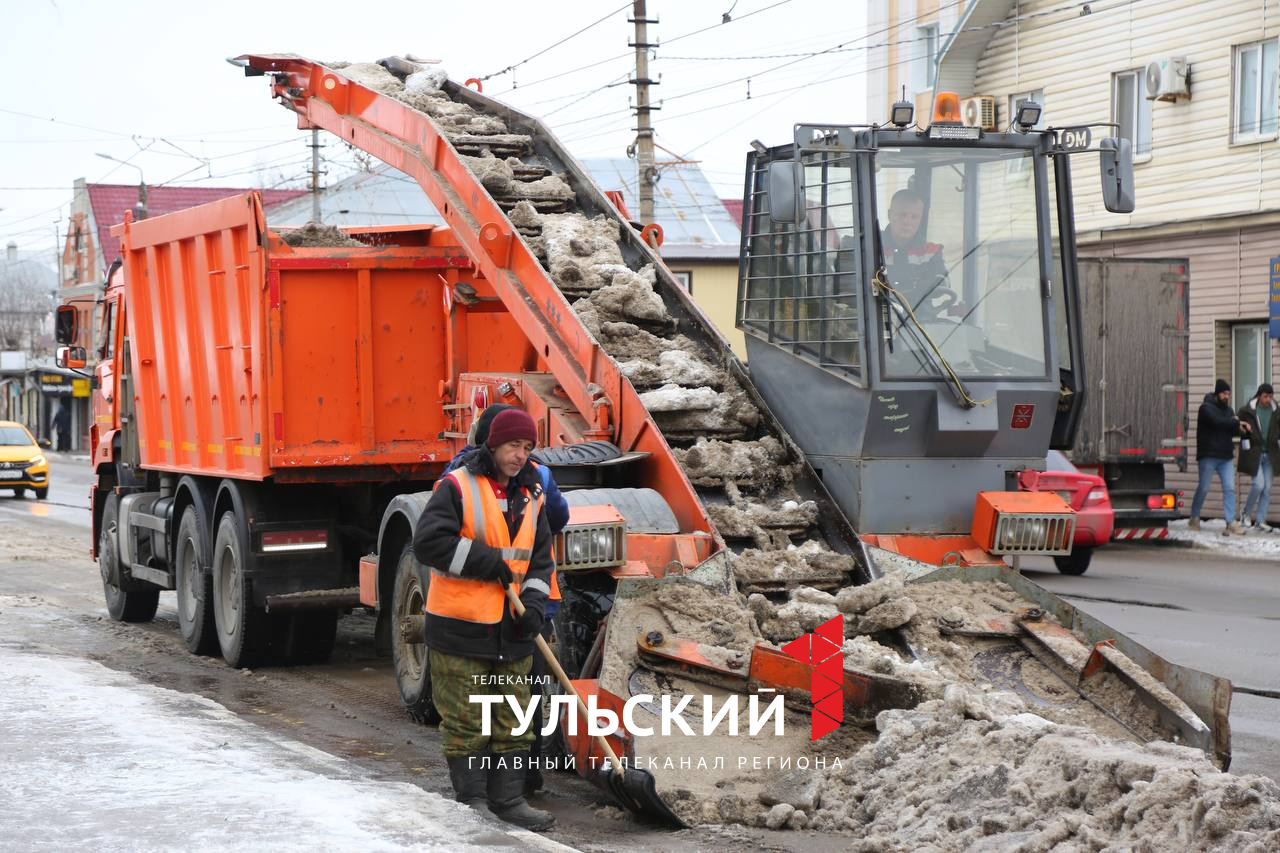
85, 77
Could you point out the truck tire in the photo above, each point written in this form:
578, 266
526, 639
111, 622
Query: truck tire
409, 654
1075, 563
307, 637
130, 603
194, 587
244, 631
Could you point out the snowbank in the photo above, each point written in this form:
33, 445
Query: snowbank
99, 760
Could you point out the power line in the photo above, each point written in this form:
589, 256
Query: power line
761, 73
628, 54
554, 46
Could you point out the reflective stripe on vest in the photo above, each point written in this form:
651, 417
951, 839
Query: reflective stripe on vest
483, 521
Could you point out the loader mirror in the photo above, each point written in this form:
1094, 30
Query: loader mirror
786, 192
1117, 174
68, 324
71, 358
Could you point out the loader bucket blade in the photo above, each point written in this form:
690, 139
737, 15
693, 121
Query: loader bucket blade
637, 792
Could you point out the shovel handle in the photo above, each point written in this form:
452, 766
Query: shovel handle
564, 680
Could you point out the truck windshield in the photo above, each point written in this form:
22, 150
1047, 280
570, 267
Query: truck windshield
959, 245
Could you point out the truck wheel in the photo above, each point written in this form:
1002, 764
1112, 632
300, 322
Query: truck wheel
123, 604
307, 637
409, 654
1075, 563
194, 587
243, 630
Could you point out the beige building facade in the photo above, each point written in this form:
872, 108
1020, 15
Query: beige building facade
1193, 85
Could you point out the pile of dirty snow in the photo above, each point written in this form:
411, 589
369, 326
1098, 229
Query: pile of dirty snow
980, 772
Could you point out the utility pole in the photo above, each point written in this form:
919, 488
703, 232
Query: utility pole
646, 172
315, 175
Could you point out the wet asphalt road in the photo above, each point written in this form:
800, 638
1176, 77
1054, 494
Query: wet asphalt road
1220, 615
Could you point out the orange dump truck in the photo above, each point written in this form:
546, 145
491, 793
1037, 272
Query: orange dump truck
259, 406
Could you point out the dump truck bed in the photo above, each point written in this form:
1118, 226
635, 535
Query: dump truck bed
255, 359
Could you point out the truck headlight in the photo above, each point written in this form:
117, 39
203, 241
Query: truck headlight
591, 546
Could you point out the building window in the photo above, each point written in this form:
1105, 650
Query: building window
924, 65
1253, 111
1016, 101
1250, 360
1131, 110
684, 278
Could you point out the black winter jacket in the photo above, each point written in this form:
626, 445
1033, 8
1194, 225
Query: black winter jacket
1250, 459
1216, 426
435, 539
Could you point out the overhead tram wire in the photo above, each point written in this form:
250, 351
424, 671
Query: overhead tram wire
631, 53
804, 58
551, 47
673, 116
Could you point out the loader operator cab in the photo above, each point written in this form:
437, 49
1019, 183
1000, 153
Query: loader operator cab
909, 299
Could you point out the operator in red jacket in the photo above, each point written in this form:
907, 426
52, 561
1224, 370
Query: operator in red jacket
913, 266
486, 528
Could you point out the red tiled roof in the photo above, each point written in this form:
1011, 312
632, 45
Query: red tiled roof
110, 201
734, 206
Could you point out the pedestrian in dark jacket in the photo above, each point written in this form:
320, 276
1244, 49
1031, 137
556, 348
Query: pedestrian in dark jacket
483, 530
62, 423
1260, 453
1216, 428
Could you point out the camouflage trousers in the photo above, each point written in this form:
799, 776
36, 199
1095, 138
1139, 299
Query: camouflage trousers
455, 679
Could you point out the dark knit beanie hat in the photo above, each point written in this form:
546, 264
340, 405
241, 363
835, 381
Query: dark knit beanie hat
1220, 386
511, 425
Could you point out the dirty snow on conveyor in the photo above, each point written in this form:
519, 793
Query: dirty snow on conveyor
95, 759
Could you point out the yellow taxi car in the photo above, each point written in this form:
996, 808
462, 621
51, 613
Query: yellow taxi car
22, 462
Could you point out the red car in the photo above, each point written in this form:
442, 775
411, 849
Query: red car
1087, 495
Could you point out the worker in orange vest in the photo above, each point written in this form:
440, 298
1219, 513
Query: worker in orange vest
484, 528
557, 517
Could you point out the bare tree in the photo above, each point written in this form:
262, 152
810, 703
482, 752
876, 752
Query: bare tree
25, 305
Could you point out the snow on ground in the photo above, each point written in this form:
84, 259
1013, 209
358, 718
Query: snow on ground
1251, 545
95, 759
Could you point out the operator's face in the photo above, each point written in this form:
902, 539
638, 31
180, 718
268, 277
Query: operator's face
904, 220
511, 456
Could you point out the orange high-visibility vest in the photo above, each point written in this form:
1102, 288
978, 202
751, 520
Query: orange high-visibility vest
483, 520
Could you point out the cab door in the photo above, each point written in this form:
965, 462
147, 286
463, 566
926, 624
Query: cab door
105, 391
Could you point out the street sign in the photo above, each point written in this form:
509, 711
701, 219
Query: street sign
1273, 299
55, 384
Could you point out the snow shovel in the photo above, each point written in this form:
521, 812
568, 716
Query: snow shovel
634, 789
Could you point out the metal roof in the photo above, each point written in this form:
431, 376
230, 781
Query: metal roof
110, 201
694, 221
385, 196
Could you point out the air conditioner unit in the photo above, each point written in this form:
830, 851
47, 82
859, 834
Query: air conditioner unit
1166, 79
979, 111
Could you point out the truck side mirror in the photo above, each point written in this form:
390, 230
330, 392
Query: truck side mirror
1116, 154
786, 192
71, 358
68, 324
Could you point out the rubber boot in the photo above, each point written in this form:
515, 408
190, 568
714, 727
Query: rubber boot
506, 794
470, 780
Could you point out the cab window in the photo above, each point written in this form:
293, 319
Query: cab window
108, 347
